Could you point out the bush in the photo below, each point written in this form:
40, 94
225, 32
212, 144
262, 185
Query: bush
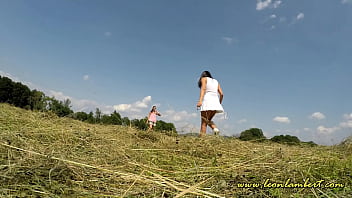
252, 134
288, 139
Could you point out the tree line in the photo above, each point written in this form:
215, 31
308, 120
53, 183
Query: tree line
115, 119
20, 95
256, 134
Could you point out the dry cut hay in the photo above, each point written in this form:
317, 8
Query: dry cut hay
46, 156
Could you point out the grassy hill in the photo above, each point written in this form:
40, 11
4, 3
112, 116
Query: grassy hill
42, 155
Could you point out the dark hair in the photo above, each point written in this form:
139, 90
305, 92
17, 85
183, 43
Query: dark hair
152, 108
204, 74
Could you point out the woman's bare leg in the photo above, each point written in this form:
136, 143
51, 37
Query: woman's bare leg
150, 127
211, 124
204, 122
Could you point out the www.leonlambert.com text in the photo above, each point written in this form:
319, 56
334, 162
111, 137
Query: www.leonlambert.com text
289, 184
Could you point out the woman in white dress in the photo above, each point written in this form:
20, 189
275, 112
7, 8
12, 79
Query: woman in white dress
210, 100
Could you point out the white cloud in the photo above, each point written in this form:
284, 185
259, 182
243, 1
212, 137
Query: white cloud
273, 16
135, 107
144, 103
86, 77
307, 129
221, 116
122, 107
229, 40
16, 79
80, 104
282, 119
107, 34
261, 5
277, 4
348, 116
346, 1
186, 127
242, 121
325, 130
189, 122
347, 123
300, 16
58, 95
2, 73
184, 121
288, 131
317, 116
253, 126
177, 116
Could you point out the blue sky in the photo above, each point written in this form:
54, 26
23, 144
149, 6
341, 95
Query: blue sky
284, 66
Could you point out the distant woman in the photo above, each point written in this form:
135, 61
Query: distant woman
152, 117
210, 100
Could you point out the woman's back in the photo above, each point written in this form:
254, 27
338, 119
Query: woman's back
212, 85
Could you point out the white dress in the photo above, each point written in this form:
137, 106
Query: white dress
211, 100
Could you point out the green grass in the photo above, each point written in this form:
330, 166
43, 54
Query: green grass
42, 155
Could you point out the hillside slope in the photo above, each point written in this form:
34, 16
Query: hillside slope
42, 155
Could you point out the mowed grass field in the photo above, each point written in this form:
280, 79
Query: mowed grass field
42, 155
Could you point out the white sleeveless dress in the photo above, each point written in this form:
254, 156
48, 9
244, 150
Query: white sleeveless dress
211, 100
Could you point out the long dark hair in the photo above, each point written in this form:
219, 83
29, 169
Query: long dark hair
204, 74
152, 109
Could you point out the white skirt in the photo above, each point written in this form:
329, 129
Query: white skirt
211, 102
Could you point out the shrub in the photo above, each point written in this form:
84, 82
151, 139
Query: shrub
252, 134
288, 139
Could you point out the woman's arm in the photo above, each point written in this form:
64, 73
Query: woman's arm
220, 93
202, 91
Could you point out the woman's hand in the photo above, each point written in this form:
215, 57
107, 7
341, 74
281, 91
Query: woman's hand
199, 104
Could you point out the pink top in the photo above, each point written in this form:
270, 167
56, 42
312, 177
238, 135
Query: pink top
152, 117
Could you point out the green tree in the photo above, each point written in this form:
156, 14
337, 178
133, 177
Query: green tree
105, 119
252, 134
126, 121
20, 95
58, 107
97, 115
311, 143
67, 103
139, 124
82, 116
36, 100
14, 93
288, 139
164, 126
6, 87
90, 118
115, 118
